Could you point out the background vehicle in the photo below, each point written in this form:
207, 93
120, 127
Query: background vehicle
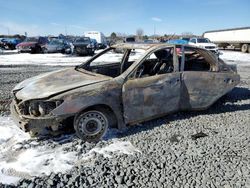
204, 43
185, 38
83, 46
130, 39
10, 43
98, 36
177, 41
94, 42
57, 45
1, 43
236, 37
33, 45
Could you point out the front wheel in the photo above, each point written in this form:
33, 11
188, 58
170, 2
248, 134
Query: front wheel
91, 126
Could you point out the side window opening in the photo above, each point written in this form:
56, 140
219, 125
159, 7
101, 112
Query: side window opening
159, 62
131, 57
197, 60
111, 63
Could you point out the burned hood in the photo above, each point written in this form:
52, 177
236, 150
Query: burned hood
52, 83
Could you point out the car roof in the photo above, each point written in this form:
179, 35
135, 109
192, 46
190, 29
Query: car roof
152, 46
144, 46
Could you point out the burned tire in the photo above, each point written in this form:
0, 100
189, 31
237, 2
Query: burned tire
244, 48
91, 125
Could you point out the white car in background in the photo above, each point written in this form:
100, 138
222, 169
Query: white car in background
204, 43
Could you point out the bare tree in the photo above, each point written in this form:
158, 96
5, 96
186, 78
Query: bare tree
121, 34
139, 33
187, 34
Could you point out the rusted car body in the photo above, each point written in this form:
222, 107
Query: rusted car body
163, 79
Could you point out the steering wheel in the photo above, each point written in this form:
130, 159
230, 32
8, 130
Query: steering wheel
139, 71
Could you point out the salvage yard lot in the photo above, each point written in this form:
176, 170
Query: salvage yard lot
192, 149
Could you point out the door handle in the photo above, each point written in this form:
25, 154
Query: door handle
174, 80
228, 80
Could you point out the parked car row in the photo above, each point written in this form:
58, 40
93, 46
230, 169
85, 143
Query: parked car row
86, 45
79, 46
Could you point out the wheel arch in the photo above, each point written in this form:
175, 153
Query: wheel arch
105, 109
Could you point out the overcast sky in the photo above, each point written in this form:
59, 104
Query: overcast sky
45, 17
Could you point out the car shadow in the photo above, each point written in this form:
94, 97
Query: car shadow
227, 103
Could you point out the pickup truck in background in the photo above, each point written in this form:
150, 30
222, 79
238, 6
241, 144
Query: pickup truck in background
204, 43
235, 37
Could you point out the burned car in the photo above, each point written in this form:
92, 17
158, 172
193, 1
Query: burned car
117, 90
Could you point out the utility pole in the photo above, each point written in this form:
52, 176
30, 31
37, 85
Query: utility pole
154, 31
65, 30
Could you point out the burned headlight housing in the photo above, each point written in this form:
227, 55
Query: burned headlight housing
42, 108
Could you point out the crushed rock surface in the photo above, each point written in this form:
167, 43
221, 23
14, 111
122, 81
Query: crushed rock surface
210, 148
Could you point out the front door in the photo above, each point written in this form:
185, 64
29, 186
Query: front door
149, 97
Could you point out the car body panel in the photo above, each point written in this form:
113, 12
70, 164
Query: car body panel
56, 82
149, 97
201, 89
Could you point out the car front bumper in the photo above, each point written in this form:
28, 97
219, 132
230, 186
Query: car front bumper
35, 125
83, 50
24, 49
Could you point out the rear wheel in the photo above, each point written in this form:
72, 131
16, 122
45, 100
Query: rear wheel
91, 125
244, 48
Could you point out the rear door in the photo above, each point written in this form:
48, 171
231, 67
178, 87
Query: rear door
202, 84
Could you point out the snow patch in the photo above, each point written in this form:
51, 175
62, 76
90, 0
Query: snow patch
238, 58
16, 164
17, 161
118, 147
10, 134
56, 59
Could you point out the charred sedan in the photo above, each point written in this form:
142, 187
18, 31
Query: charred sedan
84, 46
116, 90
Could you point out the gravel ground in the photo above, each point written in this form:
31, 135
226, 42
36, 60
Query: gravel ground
188, 149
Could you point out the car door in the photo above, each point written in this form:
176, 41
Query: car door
148, 97
202, 85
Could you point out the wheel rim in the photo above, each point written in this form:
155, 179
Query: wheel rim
92, 124
244, 48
